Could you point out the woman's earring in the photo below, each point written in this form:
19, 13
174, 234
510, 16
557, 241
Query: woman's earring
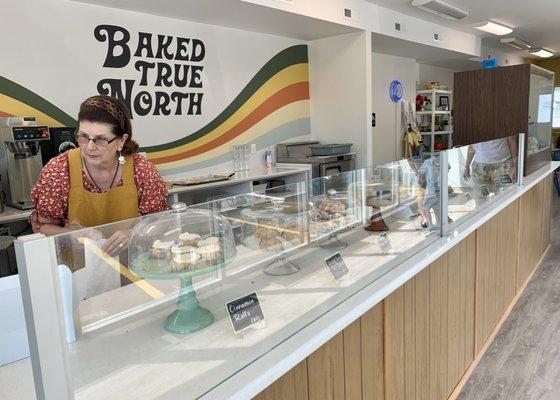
121, 158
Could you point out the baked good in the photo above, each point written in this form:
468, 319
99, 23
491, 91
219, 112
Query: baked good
189, 239
272, 244
184, 257
265, 232
293, 232
208, 241
210, 254
161, 250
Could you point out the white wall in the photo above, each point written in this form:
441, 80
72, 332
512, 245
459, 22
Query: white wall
57, 56
504, 58
431, 73
371, 17
340, 92
387, 135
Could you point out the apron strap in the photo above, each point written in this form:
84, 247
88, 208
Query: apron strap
75, 168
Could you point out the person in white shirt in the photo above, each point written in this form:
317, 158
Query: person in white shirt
491, 161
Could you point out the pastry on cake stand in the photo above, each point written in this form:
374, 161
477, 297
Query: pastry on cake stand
189, 243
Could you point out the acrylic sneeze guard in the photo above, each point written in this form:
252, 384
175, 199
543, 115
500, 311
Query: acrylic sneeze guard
151, 322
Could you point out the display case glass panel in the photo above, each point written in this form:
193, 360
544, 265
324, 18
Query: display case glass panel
541, 94
155, 310
478, 180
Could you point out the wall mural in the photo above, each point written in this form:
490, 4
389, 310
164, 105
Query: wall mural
272, 107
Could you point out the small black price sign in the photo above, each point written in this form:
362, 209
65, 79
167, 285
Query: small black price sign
384, 243
484, 190
336, 266
244, 312
505, 179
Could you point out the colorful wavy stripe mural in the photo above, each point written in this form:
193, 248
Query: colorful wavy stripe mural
272, 107
17, 100
270, 104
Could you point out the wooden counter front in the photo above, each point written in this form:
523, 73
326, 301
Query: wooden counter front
420, 342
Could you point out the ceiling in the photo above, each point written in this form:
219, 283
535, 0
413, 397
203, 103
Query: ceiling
423, 54
536, 21
233, 14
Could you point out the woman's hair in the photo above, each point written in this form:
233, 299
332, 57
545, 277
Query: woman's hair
108, 110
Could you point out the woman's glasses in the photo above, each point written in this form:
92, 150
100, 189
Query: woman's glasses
84, 140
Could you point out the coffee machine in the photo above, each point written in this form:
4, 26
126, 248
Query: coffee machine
20, 158
61, 140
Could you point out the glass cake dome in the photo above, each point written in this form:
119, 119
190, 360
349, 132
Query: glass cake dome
180, 244
180, 241
277, 225
335, 211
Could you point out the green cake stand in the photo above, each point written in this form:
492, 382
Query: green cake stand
189, 316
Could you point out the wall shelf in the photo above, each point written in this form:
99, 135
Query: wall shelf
432, 95
436, 112
434, 91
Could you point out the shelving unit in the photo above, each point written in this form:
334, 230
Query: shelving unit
434, 96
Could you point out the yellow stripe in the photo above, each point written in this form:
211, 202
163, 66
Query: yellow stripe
117, 266
288, 76
290, 112
15, 107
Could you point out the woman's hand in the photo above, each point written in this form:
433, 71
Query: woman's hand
117, 242
84, 233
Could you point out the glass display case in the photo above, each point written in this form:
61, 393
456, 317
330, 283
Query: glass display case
541, 94
157, 307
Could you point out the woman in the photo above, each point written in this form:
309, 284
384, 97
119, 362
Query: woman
102, 181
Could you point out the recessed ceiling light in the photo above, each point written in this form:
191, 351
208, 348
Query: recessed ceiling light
441, 8
540, 52
493, 27
516, 43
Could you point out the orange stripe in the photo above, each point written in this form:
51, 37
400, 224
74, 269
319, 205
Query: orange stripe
287, 95
5, 114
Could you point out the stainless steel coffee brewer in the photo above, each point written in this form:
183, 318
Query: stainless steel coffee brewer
20, 158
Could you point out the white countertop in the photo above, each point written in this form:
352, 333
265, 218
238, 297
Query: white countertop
137, 358
12, 214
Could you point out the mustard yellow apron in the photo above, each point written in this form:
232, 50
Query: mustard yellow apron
92, 209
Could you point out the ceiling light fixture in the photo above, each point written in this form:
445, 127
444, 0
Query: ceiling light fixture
493, 27
440, 8
516, 43
540, 52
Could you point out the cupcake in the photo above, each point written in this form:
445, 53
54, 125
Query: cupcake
161, 250
210, 254
189, 239
208, 241
184, 257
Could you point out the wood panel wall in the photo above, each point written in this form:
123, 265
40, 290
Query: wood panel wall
530, 232
547, 208
429, 327
421, 340
496, 270
349, 366
490, 104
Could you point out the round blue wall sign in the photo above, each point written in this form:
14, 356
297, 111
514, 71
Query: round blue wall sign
396, 91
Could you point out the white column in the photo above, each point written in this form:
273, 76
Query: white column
44, 317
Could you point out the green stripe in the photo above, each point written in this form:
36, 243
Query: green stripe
290, 56
26, 96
